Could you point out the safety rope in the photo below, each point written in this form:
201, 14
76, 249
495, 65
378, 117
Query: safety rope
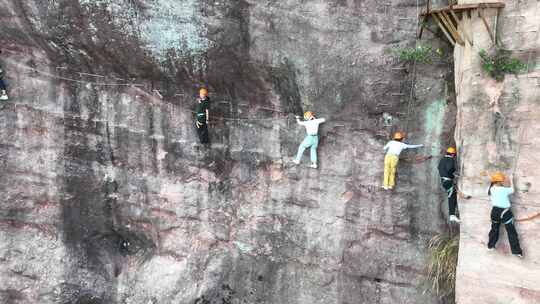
79, 81
529, 218
232, 118
140, 86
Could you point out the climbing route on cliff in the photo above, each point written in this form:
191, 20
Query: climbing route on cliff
105, 92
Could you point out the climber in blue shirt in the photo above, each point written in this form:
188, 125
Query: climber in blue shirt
499, 194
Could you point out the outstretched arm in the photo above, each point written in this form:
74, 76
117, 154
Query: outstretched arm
413, 146
510, 183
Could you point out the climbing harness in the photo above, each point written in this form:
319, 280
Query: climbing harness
502, 216
450, 190
502, 220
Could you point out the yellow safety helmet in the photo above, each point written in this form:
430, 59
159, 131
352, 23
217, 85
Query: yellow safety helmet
203, 92
399, 135
308, 115
451, 150
498, 177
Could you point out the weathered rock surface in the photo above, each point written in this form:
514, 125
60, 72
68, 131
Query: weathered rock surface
497, 127
107, 200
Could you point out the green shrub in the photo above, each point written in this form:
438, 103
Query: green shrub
499, 64
419, 54
442, 266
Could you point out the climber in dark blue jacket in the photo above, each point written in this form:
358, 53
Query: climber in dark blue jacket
447, 168
202, 116
3, 89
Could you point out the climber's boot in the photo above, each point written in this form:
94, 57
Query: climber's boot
4, 95
454, 219
313, 165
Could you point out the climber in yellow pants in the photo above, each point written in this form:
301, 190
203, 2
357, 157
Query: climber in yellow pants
394, 148
390, 168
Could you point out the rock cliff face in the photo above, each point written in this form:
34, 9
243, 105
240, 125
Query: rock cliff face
106, 198
496, 130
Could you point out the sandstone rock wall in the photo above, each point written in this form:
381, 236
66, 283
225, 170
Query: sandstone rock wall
496, 130
106, 198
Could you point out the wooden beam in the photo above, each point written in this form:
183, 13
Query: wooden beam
499, 4
465, 7
422, 25
496, 23
453, 30
487, 26
436, 34
424, 20
463, 29
444, 29
454, 17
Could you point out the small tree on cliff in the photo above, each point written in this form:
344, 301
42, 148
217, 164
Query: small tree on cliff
499, 63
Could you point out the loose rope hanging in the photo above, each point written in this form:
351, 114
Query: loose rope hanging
413, 80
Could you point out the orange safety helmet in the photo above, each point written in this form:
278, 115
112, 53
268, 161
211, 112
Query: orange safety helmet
399, 135
308, 115
203, 92
498, 177
451, 150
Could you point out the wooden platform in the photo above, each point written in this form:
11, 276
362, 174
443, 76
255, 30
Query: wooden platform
448, 20
464, 7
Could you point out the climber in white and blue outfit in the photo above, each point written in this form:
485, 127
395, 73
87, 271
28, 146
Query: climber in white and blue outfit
312, 138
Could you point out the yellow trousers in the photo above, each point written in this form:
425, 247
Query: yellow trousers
390, 167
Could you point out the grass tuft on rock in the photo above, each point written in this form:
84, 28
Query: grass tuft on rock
442, 266
499, 63
420, 54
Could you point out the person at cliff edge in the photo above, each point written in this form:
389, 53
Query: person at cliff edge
3, 89
203, 116
391, 159
312, 138
447, 168
499, 192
